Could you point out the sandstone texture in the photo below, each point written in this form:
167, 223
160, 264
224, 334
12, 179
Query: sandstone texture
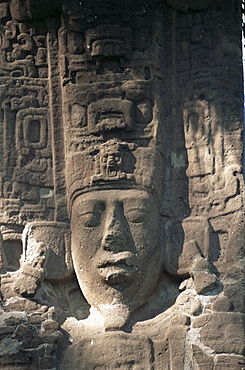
121, 185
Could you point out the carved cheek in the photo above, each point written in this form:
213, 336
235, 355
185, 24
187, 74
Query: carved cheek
84, 241
147, 238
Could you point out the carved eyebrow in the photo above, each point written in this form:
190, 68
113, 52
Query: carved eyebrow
91, 206
139, 204
139, 209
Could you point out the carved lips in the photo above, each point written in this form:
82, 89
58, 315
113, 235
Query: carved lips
117, 268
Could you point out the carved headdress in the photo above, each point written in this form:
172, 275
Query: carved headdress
111, 143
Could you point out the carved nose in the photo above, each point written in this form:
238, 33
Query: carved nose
114, 242
114, 239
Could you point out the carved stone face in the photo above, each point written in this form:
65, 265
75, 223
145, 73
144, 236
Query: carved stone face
116, 246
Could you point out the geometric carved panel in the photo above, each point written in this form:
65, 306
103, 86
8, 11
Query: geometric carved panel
31, 128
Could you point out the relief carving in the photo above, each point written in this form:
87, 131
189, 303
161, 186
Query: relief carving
121, 188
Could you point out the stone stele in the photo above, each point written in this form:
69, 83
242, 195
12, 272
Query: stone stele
121, 190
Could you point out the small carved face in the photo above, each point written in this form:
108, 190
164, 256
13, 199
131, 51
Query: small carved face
110, 163
116, 246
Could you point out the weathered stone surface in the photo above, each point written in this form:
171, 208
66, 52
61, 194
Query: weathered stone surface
229, 362
222, 332
121, 188
201, 360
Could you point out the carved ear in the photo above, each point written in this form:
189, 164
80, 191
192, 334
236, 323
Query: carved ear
56, 236
184, 241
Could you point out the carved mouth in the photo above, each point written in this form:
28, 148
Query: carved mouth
117, 269
123, 263
112, 171
116, 274
124, 259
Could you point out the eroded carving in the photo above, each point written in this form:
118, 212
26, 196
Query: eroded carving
121, 192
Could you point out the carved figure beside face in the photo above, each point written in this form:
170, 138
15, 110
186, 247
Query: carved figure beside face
116, 246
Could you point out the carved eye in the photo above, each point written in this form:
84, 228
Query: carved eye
91, 219
92, 216
136, 215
